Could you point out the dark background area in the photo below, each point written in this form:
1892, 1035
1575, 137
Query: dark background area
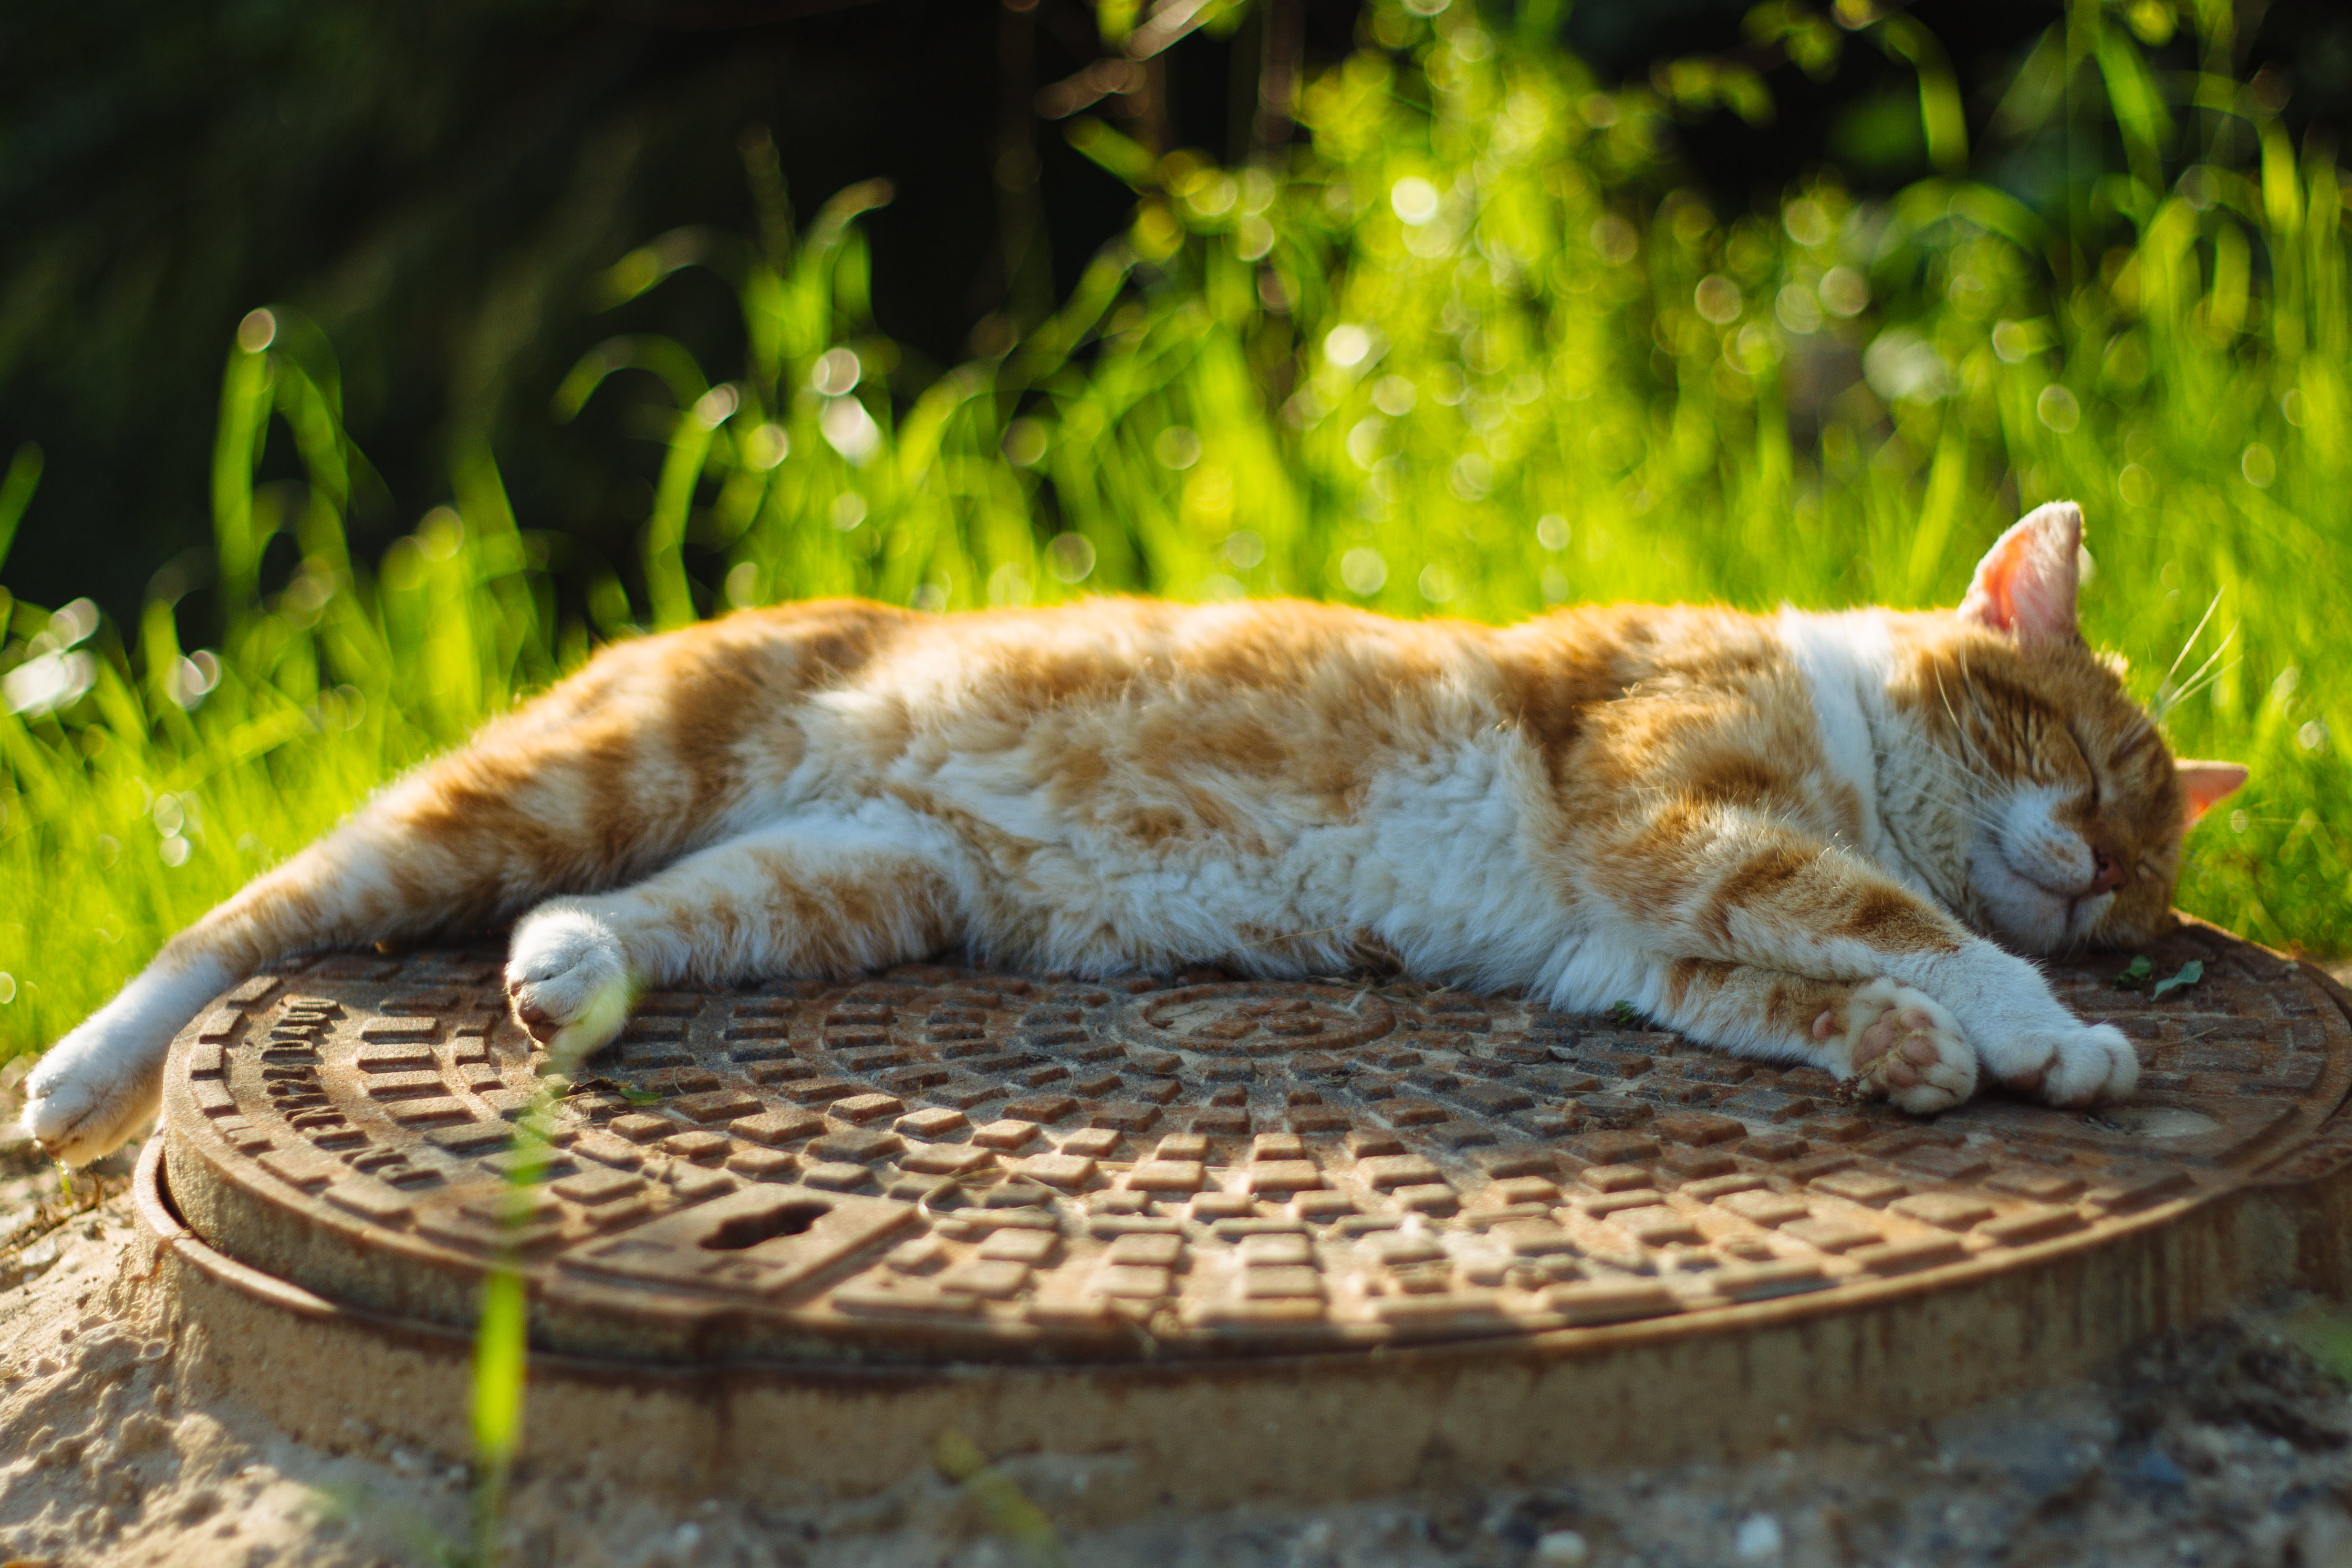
438, 183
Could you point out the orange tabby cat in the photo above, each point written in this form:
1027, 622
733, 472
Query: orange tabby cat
1812, 837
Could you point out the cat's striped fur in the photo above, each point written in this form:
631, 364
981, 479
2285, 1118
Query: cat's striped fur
1817, 837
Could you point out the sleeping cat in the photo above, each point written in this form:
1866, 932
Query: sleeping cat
1810, 837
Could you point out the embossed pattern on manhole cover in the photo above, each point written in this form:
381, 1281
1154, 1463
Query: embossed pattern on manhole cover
941, 1163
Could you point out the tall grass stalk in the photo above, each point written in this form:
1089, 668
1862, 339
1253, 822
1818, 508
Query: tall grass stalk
1470, 354
500, 1342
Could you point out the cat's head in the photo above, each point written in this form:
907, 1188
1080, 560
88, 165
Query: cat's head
2061, 808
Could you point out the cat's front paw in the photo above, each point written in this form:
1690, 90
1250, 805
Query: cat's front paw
1901, 1044
2079, 1066
91, 1090
569, 982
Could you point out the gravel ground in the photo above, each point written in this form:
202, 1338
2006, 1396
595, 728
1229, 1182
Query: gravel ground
2228, 1446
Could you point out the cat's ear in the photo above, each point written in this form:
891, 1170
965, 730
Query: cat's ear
2205, 784
2024, 587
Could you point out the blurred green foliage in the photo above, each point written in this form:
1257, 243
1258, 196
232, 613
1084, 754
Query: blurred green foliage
433, 182
1468, 353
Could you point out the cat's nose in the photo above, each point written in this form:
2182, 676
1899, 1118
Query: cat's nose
2107, 872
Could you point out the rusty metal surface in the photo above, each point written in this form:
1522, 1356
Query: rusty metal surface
942, 1164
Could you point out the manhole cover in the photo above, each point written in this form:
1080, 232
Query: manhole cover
941, 1163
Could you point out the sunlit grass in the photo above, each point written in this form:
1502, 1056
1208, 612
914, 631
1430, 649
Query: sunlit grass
1470, 355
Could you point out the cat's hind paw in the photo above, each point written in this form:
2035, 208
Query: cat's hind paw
569, 982
1901, 1044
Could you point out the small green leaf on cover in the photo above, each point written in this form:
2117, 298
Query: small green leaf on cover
1623, 1012
638, 1096
2136, 975
2190, 973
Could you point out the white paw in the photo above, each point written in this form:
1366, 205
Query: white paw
1903, 1044
2078, 1066
569, 981
92, 1089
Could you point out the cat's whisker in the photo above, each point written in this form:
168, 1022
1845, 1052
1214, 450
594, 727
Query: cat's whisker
1970, 805
1952, 769
2200, 684
1970, 796
1964, 792
2164, 702
1986, 824
1975, 819
1963, 810
1953, 785
1961, 800
2195, 632
1960, 730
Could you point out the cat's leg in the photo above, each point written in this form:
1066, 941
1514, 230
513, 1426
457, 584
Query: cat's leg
620, 769
542, 800
395, 871
428, 854
1732, 887
798, 897
103, 1081
1891, 1040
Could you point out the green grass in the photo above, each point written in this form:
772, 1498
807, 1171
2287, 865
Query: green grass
1471, 354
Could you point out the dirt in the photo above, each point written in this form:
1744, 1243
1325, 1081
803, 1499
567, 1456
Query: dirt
2227, 1446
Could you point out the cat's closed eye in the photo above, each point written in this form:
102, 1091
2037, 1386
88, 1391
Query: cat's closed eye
2090, 764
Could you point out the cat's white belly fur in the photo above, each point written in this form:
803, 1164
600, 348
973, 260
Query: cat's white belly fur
1436, 865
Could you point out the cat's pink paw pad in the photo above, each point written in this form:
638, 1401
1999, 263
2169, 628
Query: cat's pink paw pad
1900, 1043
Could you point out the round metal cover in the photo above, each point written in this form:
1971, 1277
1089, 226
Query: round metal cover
943, 1163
